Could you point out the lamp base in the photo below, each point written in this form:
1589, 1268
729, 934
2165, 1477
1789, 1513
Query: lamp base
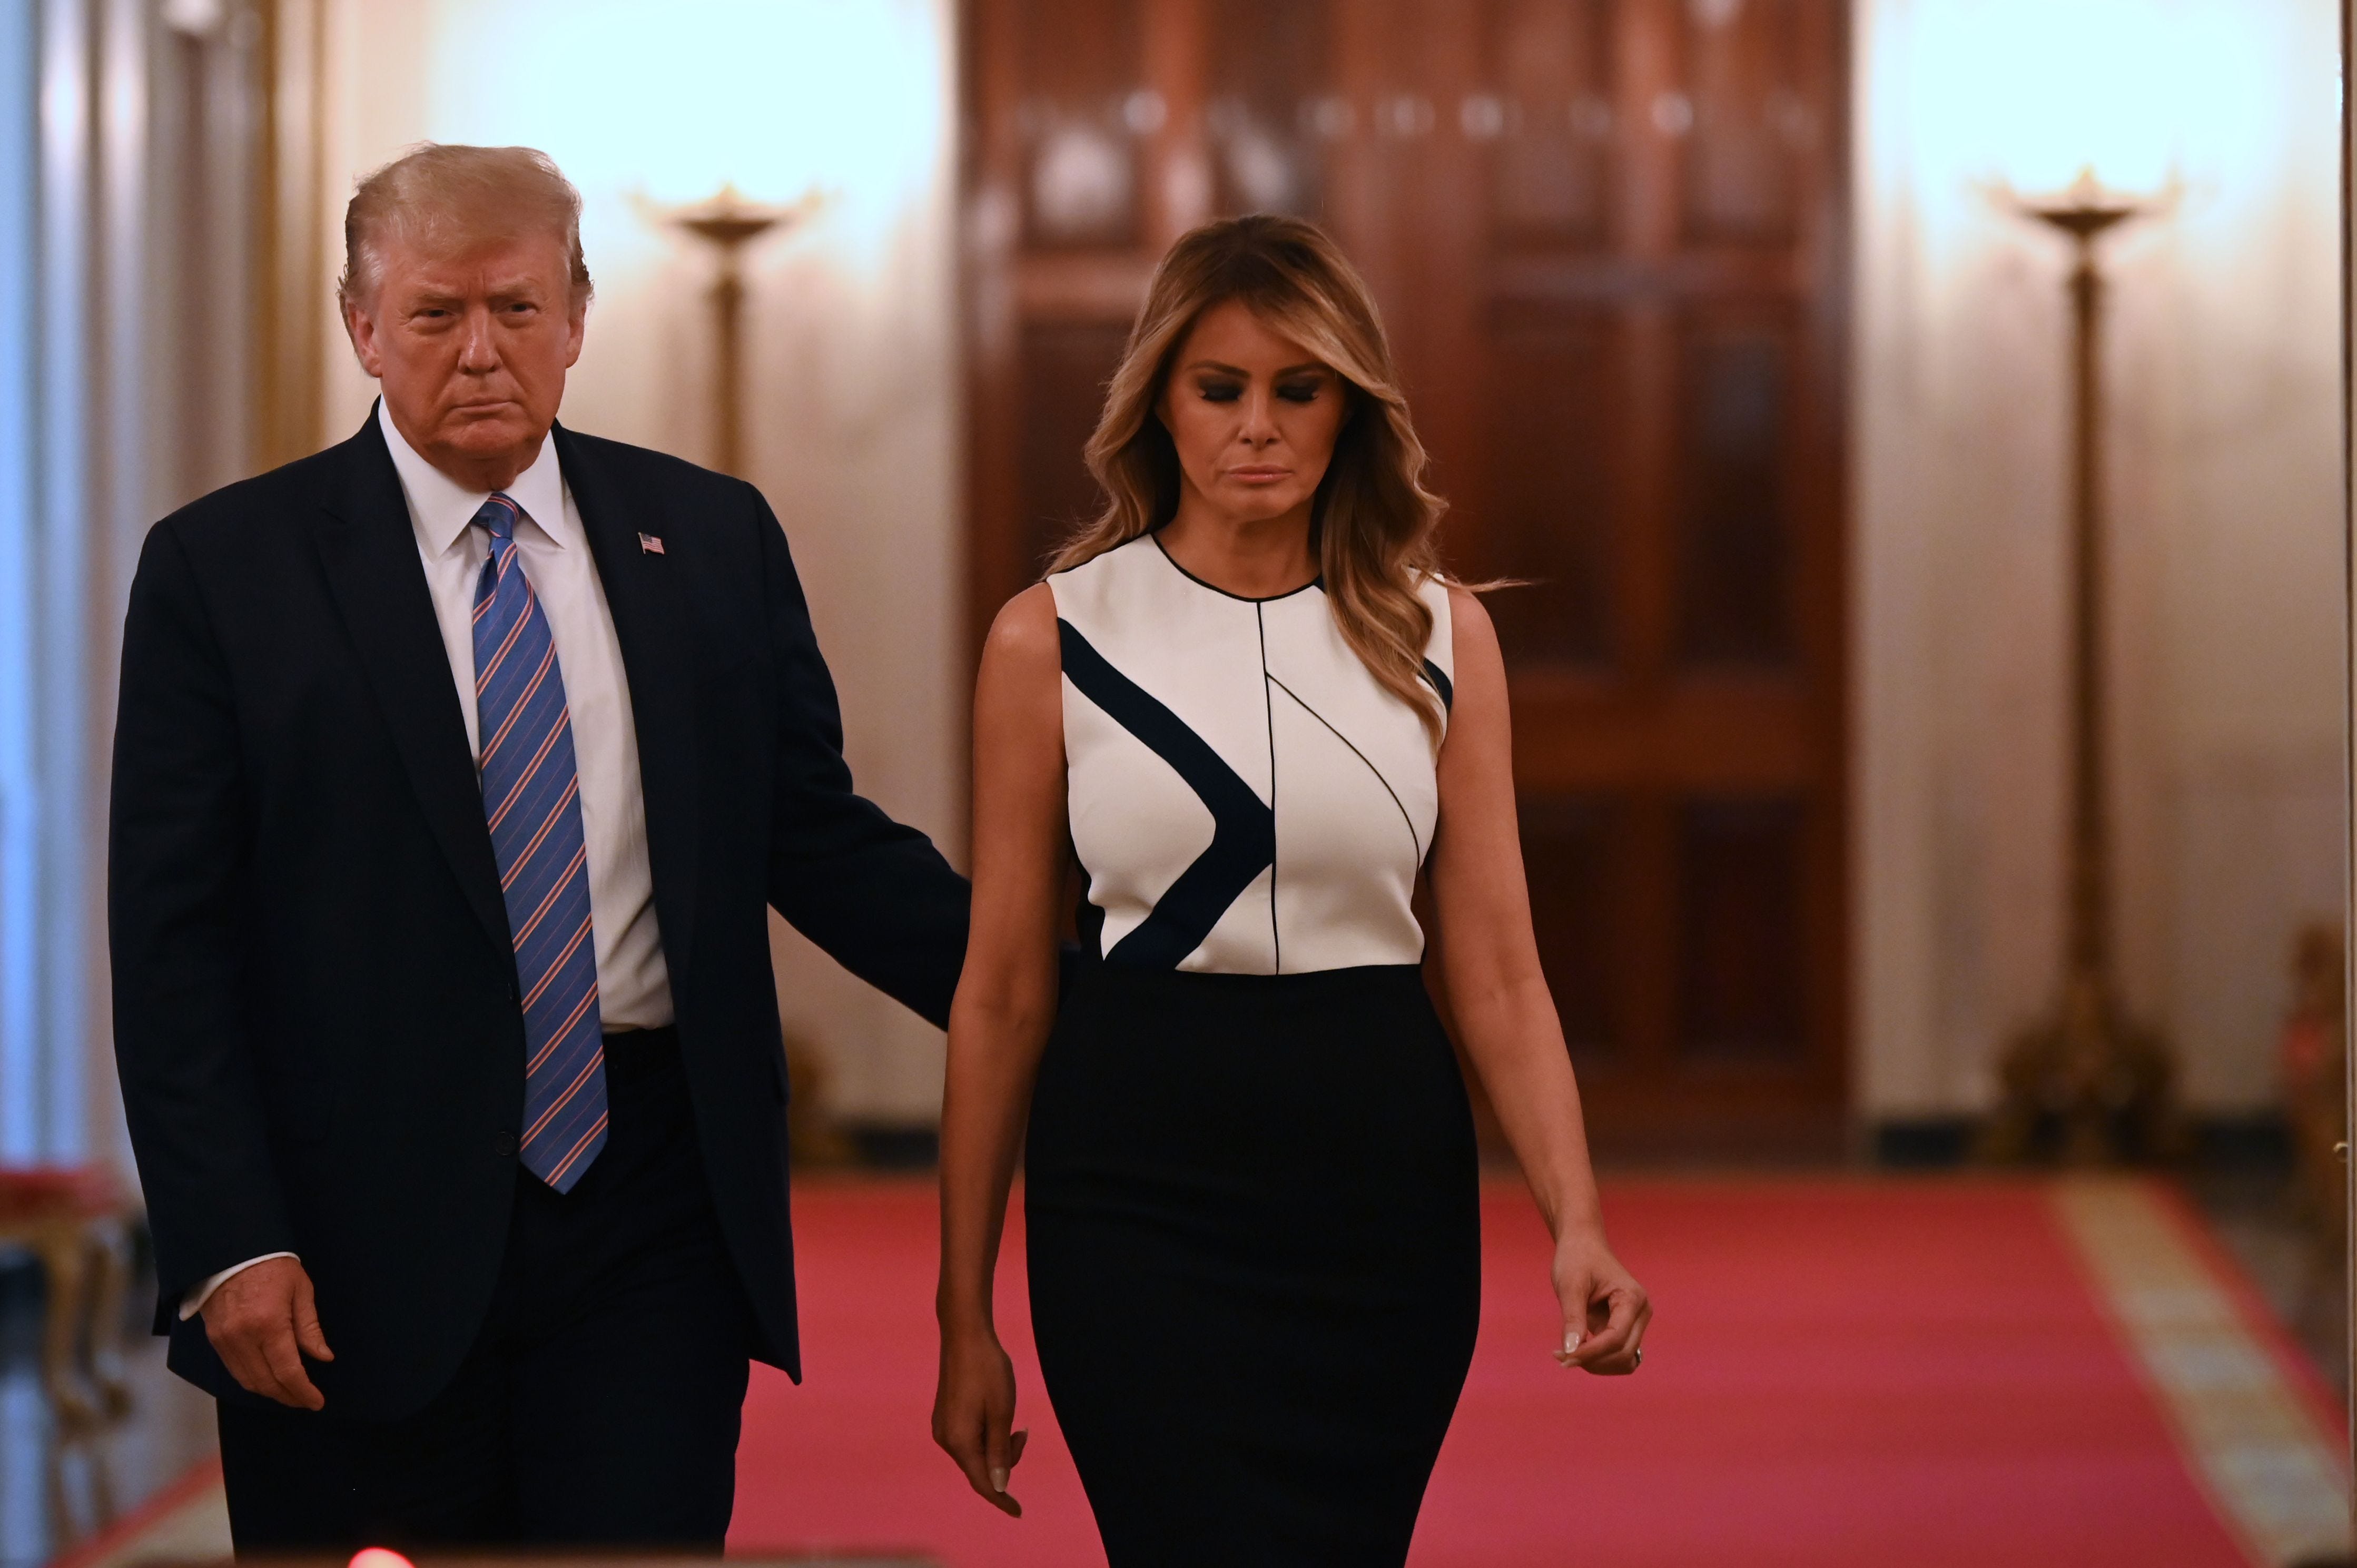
2086, 1088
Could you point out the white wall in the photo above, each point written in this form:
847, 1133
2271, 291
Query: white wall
853, 411
2227, 638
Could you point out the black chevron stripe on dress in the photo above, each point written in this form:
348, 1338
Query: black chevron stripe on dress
1243, 828
1440, 684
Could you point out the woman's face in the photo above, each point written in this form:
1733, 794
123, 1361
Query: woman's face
1252, 413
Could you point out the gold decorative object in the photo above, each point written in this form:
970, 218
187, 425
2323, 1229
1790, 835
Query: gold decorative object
728, 222
2312, 1070
814, 1138
2087, 1083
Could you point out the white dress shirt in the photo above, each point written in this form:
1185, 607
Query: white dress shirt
633, 983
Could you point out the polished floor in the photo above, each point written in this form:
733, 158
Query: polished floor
2303, 1280
54, 1495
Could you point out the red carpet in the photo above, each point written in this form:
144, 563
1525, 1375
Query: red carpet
1844, 1374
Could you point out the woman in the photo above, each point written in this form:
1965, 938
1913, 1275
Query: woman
1250, 704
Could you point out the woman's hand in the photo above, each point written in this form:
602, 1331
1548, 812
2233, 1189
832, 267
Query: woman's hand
973, 1407
1494, 990
1605, 1310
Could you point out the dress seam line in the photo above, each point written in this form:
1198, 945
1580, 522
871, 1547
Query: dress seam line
1415, 842
1268, 709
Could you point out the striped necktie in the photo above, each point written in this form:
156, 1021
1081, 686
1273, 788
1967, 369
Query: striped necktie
532, 796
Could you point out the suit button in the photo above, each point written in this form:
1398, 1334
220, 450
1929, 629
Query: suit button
504, 1146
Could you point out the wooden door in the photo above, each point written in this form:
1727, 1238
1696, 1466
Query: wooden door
1608, 239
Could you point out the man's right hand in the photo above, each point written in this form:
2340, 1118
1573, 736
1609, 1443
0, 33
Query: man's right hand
262, 1322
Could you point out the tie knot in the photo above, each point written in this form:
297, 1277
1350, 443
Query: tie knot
497, 517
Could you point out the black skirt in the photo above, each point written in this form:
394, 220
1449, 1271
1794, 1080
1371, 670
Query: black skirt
1254, 1245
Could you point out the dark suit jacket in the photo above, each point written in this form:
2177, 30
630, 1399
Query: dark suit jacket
315, 991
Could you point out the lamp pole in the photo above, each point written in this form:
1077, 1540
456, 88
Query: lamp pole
2099, 1085
727, 222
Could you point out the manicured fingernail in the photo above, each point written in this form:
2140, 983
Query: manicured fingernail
997, 1480
1570, 1340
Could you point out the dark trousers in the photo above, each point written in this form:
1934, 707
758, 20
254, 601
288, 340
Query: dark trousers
600, 1404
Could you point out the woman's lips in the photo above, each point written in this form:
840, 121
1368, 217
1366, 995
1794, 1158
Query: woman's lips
1257, 476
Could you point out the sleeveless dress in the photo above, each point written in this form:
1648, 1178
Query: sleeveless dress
1250, 1189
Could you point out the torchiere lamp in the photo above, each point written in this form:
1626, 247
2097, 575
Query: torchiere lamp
2087, 1083
728, 222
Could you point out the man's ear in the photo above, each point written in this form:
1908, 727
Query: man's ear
576, 331
361, 330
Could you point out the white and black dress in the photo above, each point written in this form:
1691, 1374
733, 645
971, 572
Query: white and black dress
1251, 1193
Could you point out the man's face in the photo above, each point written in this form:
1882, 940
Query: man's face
470, 342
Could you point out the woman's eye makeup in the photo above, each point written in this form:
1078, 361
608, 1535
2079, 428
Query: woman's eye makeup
1300, 389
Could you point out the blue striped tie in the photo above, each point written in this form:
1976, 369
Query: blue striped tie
533, 797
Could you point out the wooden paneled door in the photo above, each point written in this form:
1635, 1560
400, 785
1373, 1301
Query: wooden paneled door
1608, 237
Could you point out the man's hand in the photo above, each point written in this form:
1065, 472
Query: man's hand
262, 1322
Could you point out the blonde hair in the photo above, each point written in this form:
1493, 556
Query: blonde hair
1373, 521
436, 190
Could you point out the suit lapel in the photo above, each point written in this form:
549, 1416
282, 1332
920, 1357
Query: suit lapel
651, 621
369, 552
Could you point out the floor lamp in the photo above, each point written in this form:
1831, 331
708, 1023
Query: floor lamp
727, 222
2086, 1083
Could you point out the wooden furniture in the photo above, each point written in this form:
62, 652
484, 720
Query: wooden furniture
2312, 1067
1609, 239
76, 1221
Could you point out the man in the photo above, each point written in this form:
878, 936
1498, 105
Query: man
454, 768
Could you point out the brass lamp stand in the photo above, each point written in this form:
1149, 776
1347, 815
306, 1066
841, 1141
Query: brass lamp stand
2086, 1084
727, 222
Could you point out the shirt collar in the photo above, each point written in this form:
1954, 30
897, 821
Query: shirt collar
440, 508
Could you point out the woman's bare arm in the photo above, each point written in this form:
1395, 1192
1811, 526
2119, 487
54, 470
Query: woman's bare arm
1490, 963
999, 1022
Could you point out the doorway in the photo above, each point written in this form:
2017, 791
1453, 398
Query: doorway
1608, 238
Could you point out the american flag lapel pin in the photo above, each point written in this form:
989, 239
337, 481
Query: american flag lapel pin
649, 544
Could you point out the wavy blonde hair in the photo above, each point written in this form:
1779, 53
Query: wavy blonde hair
1373, 521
